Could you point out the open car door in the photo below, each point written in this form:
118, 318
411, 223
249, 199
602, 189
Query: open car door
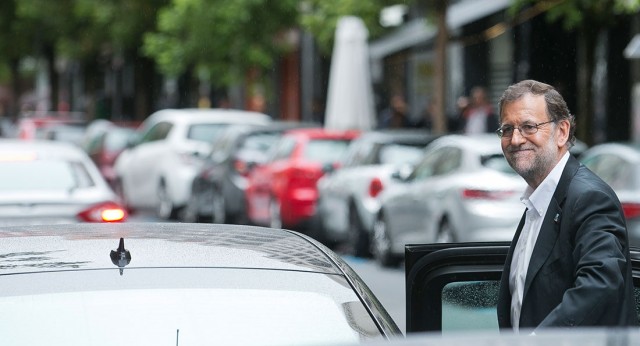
454, 287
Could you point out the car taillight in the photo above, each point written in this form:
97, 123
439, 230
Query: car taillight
104, 212
375, 187
631, 210
486, 194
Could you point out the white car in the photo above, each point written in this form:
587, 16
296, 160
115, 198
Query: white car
463, 190
53, 182
157, 170
618, 164
348, 197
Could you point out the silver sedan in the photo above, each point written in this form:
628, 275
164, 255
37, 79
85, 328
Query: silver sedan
618, 164
462, 190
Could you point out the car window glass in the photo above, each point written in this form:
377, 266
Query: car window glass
205, 132
284, 149
157, 132
43, 175
497, 162
398, 154
117, 139
357, 153
256, 147
325, 150
448, 161
470, 305
426, 167
614, 170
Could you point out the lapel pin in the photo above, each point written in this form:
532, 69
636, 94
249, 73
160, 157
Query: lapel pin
556, 218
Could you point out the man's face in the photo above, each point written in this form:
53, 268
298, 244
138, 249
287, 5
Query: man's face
533, 155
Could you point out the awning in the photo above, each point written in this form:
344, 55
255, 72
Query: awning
419, 31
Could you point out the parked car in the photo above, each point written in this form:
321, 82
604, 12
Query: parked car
462, 190
618, 164
49, 182
51, 125
157, 170
180, 283
348, 198
283, 192
218, 190
104, 146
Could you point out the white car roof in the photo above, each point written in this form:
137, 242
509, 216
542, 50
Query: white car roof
194, 115
483, 144
40, 148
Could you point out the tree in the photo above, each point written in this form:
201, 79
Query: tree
220, 40
588, 18
320, 17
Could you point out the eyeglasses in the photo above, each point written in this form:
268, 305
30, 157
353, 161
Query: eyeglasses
506, 131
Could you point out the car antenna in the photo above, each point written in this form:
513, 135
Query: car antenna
121, 256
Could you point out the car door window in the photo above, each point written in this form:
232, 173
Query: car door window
454, 287
157, 132
439, 162
448, 161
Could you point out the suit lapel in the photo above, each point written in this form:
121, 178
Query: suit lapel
550, 228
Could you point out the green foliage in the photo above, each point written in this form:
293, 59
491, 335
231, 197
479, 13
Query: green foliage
222, 38
576, 13
320, 17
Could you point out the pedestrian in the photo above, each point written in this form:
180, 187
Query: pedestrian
395, 116
569, 263
478, 116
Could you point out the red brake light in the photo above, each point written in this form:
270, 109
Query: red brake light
485, 194
104, 212
631, 210
375, 187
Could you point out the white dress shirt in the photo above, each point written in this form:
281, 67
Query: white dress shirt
537, 201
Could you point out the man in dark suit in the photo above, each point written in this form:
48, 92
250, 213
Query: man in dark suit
569, 263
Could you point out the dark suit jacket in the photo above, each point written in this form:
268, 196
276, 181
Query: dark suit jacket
580, 268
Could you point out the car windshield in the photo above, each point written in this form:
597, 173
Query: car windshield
325, 150
205, 132
43, 175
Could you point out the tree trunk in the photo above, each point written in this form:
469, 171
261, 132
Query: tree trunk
584, 115
440, 73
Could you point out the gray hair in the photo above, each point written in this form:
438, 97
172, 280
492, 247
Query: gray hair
556, 106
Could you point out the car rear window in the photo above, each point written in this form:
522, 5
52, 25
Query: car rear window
205, 132
398, 154
43, 175
497, 162
325, 150
194, 306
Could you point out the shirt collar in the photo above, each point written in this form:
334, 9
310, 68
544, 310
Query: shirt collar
539, 198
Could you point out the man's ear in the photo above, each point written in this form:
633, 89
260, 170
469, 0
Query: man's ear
564, 128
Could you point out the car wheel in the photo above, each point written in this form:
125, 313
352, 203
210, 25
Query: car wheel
219, 208
358, 241
382, 244
445, 232
275, 218
164, 208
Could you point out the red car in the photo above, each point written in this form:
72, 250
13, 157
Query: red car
282, 192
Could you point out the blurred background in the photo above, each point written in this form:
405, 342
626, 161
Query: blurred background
121, 60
